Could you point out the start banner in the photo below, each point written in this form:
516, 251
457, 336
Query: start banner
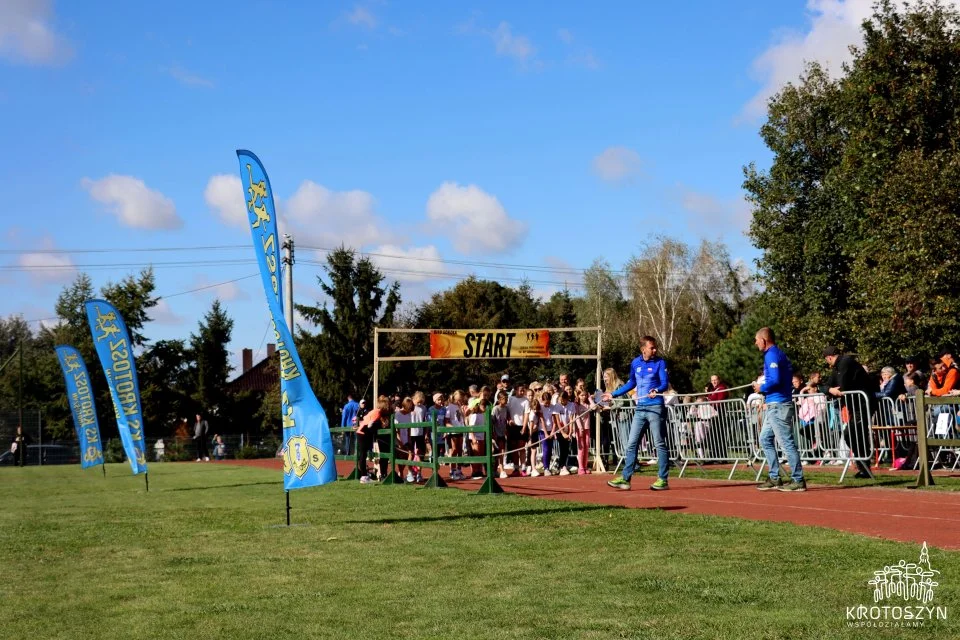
490, 343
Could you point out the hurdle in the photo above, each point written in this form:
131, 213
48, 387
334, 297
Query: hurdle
347, 457
940, 430
490, 485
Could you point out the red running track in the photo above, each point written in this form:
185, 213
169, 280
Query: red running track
897, 514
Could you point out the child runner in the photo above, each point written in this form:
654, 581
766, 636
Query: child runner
546, 427
532, 425
501, 417
584, 409
454, 418
418, 439
403, 416
563, 418
517, 405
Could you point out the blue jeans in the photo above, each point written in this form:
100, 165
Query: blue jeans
778, 426
648, 416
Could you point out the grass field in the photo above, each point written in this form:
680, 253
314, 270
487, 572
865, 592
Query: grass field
204, 555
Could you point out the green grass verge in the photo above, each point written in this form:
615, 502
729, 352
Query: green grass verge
818, 475
204, 555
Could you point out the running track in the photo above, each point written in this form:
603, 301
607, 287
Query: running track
897, 514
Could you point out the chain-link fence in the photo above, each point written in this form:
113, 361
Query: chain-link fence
38, 448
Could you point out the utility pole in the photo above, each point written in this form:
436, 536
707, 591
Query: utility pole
288, 281
20, 386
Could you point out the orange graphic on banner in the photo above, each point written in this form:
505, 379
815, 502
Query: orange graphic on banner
490, 344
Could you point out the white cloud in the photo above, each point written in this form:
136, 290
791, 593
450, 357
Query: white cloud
416, 264
617, 164
48, 267
186, 77
474, 219
135, 204
834, 26
332, 218
361, 17
162, 313
510, 44
707, 211
26, 34
224, 194
226, 292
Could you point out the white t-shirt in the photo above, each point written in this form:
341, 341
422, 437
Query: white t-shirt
532, 417
565, 413
517, 407
419, 415
454, 417
399, 417
547, 413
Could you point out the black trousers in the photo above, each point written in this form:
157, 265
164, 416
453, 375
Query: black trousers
202, 450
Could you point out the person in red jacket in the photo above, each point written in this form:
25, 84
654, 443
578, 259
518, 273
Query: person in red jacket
946, 378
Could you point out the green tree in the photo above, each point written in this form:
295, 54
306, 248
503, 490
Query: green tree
210, 365
857, 216
736, 359
339, 358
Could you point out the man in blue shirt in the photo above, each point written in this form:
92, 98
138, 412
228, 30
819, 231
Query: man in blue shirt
778, 414
349, 419
648, 374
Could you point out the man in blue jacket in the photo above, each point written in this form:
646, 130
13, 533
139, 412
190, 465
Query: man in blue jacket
778, 414
348, 418
648, 374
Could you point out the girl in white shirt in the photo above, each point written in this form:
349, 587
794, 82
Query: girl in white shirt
532, 426
584, 413
404, 415
454, 418
546, 410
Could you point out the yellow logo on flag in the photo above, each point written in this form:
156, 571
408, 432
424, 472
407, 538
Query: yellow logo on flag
298, 456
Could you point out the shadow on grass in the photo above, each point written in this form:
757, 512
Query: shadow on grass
224, 486
498, 514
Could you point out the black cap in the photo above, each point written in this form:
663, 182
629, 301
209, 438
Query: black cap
830, 351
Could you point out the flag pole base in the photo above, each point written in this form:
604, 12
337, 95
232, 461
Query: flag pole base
288, 507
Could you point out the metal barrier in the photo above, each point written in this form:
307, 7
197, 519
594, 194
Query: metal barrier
826, 429
937, 426
621, 418
712, 432
894, 422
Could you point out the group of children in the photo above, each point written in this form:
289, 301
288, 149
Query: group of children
524, 421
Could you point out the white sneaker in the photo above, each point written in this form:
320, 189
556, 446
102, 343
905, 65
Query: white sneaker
206, 459
534, 474
509, 466
365, 480
198, 459
409, 477
546, 472
419, 478
564, 472
503, 474
652, 461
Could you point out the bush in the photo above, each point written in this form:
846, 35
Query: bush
113, 452
248, 452
177, 451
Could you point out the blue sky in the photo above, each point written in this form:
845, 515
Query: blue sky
538, 133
